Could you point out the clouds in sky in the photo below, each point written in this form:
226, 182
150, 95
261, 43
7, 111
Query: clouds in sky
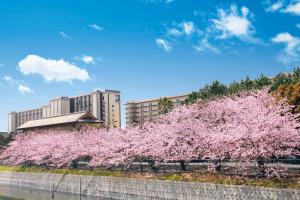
291, 53
96, 27
87, 59
169, 1
158, 1
64, 35
52, 70
184, 28
291, 7
16, 84
273, 7
24, 89
233, 23
204, 46
164, 44
8, 78
10, 81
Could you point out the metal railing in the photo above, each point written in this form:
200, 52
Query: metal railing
290, 167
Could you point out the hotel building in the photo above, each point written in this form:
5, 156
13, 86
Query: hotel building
104, 105
146, 110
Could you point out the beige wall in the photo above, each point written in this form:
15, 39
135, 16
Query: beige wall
96, 108
112, 105
147, 110
11, 122
105, 107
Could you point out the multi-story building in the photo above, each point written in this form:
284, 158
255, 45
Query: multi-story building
104, 105
147, 110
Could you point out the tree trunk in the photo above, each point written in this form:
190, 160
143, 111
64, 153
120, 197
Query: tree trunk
152, 164
261, 167
74, 164
141, 166
182, 165
218, 165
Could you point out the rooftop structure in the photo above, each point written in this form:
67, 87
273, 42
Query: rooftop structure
103, 105
60, 121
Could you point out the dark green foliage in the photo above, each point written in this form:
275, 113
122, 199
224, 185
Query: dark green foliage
247, 84
164, 105
5, 140
262, 81
296, 75
217, 88
281, 79
192, 98
234, 88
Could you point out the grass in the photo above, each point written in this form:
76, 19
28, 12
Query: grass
8, 198
62, 171
185, 177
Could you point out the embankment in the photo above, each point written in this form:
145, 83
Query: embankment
129, 188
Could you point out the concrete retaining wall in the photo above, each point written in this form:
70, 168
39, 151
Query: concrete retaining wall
125, 188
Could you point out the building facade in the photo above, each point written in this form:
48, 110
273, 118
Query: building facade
104, 105
146, 110
68, 122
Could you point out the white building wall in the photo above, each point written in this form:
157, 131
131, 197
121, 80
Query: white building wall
11, 122
96, 107
65, 106
105, 106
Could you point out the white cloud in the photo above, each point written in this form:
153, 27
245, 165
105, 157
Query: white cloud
8, 78
290, 41
158, 1
24, 89
174, 32
293, 8
10, 81
64, 35
184, 28
188, 27
96, 27
273, 7
204, 46
52, 70
291, 53
230, 23
199, 13
164, 44
87, 59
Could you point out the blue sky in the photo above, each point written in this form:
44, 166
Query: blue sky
144, 48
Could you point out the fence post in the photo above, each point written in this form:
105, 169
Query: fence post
80, 188
52, 196
141, 166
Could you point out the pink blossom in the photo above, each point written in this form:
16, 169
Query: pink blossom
247, 127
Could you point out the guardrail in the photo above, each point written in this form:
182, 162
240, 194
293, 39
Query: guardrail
290, 167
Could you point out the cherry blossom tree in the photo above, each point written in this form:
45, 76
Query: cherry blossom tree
249, 127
